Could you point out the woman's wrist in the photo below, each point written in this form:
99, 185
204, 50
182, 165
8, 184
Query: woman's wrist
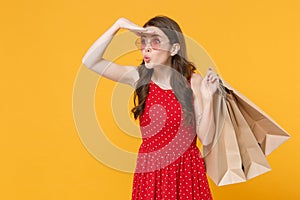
115, 27
207, 102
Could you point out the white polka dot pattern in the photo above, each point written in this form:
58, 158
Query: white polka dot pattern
169, 164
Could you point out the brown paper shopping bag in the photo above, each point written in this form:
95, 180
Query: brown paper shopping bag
268, 133
223, 160
253, 159
244, 136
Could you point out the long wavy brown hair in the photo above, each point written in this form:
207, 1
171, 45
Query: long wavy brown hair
180, 76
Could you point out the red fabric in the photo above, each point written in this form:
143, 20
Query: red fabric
169, 164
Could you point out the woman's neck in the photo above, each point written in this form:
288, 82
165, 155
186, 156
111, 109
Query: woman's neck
162, 76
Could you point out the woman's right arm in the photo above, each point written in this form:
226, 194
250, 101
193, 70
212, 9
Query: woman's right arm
93, 59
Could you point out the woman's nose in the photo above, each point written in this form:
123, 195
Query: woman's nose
148, 48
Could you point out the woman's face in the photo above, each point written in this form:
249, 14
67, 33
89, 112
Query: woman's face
155, 47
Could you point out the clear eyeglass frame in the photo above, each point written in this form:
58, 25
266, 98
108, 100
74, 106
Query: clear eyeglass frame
155, 43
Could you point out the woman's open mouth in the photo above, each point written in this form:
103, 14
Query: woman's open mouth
147, 59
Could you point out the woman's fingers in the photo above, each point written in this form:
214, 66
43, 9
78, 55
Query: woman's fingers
211, 76
214, 79
127, 24
142, 31
139, 31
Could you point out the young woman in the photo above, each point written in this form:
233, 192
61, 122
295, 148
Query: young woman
174, 107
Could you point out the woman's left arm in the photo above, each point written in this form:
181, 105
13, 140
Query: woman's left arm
203, 89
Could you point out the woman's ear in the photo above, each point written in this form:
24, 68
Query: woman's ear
175, 48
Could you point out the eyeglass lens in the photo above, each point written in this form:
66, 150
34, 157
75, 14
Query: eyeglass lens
141, 43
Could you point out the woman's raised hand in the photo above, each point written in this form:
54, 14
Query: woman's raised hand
129, 25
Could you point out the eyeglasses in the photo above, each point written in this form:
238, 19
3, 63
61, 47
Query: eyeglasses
155, 43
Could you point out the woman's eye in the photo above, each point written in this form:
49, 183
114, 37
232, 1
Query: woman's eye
156, 41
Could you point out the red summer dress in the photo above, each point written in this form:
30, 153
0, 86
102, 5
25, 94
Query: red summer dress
169, 164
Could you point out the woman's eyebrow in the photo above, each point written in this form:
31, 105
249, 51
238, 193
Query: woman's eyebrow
153, 35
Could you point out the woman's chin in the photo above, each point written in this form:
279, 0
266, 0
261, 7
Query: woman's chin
149, 65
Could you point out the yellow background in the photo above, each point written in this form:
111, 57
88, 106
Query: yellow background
255, 44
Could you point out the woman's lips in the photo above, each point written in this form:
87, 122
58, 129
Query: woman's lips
147, 59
